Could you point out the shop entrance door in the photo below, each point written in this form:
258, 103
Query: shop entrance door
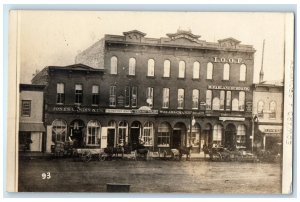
176, 142
135, 132
111, 137
230, 133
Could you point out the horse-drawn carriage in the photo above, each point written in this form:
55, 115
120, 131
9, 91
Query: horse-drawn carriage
177, 154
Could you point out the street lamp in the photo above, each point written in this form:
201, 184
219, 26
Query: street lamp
254, 120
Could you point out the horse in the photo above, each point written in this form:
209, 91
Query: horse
141, 150
185, 151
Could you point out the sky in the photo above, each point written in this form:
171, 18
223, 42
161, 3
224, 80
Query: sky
56, 37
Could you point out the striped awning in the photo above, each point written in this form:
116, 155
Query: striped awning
32, 127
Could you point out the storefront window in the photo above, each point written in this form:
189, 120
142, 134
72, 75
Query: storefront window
132, 63
217, 134
123, 133
163, 138
114, 65
196, 70
59, 130
241, 136
181, 72
148, 134
228, 100
93, 132
194, 138
150, 67
167, 68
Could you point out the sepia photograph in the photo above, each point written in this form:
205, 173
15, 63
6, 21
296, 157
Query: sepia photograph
150, 102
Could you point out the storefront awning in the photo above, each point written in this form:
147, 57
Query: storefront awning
31, 127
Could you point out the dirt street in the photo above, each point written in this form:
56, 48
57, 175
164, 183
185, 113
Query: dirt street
156, 176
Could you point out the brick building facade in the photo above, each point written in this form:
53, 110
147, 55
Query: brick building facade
129, 89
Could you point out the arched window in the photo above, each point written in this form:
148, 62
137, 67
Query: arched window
208, 99
163, 137
181, 71
226, 71
260, 109
194, 139
196, 70
93, 132
148, 134
113, 65
272, 110
241, 136
243, 70
195, 99
167, 68
235, 104
241, 101
217, 134
59, 130
180, 98
222, 99
216, 103
122, 133
209, 73
132, 63
150, 67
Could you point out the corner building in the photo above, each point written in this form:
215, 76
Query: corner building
152, 90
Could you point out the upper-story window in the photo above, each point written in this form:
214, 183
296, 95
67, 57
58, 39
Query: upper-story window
132, 63
222, 99
208, 99
181, 70
195, 99
134, 96
149, 96
130, 96
228, 100
209, 72
78, 94
150, 67
26, 108
60, 90
235, 104
167, 68
260, 109
243, 70
216, 103
272, 114
113, 65
226, 71
180, 98
241, 101
196, 70
112, 96
95, 95
166, 100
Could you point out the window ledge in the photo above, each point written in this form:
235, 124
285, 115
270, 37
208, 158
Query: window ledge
131, 76
225, 80
181, 78
150, 77
59, 103
242, 81
196, 79
209, 80
164, 77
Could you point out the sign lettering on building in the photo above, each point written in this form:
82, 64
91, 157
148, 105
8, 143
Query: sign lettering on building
130, 111
271, 130
175, 112
231, 119
76, 109
239, 88
228, 60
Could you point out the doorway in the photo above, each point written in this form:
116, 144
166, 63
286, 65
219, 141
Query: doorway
230, 134
176, 143
76, 133
135, 134
111, 137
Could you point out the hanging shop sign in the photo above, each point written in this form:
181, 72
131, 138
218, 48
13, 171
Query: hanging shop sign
239, 88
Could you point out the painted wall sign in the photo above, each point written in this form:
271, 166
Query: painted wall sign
228, 60
231, 119
76, 109
248, 106
239, 88
130, 111
175, 112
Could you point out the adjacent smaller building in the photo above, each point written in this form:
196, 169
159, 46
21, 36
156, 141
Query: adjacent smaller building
31, 126
268, 115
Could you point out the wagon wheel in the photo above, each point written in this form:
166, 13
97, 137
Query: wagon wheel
86, 156
101, 157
